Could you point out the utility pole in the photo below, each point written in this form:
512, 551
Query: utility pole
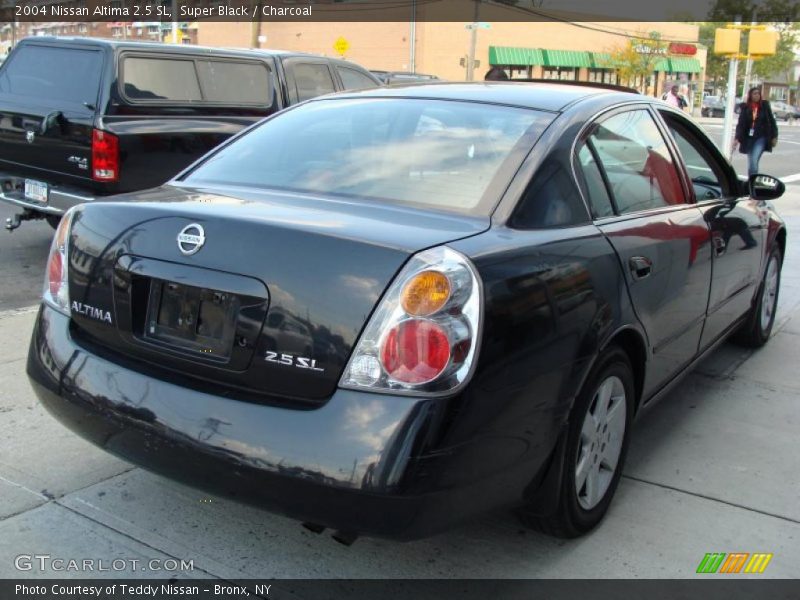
473, 42
749, 68
730, 102
174, 21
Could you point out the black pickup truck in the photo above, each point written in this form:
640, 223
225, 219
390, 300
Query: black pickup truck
85, 118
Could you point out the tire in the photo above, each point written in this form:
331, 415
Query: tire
757, 328
578, 510
53, 220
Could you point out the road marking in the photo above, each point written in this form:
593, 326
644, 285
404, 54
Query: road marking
790, 178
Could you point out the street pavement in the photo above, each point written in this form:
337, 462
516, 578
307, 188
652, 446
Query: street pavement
712, 468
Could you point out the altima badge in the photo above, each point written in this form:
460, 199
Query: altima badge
30, 136
191, 239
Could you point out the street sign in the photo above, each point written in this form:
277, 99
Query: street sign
341, 46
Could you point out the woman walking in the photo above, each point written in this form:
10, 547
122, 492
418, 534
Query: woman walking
756, 131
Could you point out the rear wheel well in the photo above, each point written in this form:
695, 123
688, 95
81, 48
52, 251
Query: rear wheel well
633, 345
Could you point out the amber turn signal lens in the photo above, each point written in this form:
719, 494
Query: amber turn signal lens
425, 293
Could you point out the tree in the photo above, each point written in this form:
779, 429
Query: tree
636, 60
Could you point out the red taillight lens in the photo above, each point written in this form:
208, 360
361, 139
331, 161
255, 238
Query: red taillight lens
55, 273
105, 156
415, 351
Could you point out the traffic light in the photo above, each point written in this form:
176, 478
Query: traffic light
726, 41
763, 42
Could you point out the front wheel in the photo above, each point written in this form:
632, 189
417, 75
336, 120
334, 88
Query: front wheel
597, 442
758, 326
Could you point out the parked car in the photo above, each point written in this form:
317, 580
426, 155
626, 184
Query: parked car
501, 278
782, 110
81, 119
713, 106
402, 77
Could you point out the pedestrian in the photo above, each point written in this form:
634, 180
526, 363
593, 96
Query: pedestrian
674, 98
495, 74
756, 131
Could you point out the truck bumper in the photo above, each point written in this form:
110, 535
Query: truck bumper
60, 197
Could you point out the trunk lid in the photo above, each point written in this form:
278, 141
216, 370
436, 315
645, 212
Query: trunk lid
271, 303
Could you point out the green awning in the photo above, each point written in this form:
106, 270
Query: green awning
601, 60
566, 58
506, 55
684, 65
663, 64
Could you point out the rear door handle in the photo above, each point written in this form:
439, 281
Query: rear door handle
640, 266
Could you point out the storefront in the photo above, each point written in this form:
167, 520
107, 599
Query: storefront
598, 67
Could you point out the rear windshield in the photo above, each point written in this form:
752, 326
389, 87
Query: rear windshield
435, 153
188, 80
46, 73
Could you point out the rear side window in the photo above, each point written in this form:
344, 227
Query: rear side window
312, 80
160, 79
47, 73
637, 162
551, 200
595, 187
235, 82
353, 80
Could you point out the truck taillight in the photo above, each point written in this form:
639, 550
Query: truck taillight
105, 156
56, 289
423, 337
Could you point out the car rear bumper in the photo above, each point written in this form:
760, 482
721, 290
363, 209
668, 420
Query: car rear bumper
60, 197
358, 464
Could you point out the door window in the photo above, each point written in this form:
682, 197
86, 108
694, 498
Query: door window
707, 174
637, 162
353, 80
593, 183
312, 80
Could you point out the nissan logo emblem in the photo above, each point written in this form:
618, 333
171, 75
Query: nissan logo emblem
191, 239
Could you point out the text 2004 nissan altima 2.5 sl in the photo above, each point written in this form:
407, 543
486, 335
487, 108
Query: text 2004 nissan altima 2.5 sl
383, 312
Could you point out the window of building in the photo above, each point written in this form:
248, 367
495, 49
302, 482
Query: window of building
562, 73
603, 76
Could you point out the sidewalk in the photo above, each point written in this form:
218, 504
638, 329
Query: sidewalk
713, 468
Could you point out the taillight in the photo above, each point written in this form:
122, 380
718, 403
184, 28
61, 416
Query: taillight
423, 337
105, 156
56, 289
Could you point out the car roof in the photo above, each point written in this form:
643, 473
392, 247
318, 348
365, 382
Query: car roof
160, 46
552, 97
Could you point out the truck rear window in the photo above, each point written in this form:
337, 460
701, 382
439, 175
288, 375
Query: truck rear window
53, 73
196, 80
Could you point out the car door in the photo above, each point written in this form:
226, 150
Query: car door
737, 224
307, 77
640, 203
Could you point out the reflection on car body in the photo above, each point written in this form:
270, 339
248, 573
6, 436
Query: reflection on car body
426, 305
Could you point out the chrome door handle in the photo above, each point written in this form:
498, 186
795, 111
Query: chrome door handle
640, 266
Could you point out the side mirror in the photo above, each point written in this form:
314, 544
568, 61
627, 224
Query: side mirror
765, 187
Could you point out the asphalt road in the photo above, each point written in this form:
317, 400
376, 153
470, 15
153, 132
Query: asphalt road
23, 255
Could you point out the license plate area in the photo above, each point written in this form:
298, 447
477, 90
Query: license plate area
191, 319
35, 190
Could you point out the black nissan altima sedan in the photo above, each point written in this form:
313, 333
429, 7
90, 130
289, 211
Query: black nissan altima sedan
384, 312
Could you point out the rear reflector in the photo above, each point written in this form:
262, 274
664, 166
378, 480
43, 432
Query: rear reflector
105, 156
